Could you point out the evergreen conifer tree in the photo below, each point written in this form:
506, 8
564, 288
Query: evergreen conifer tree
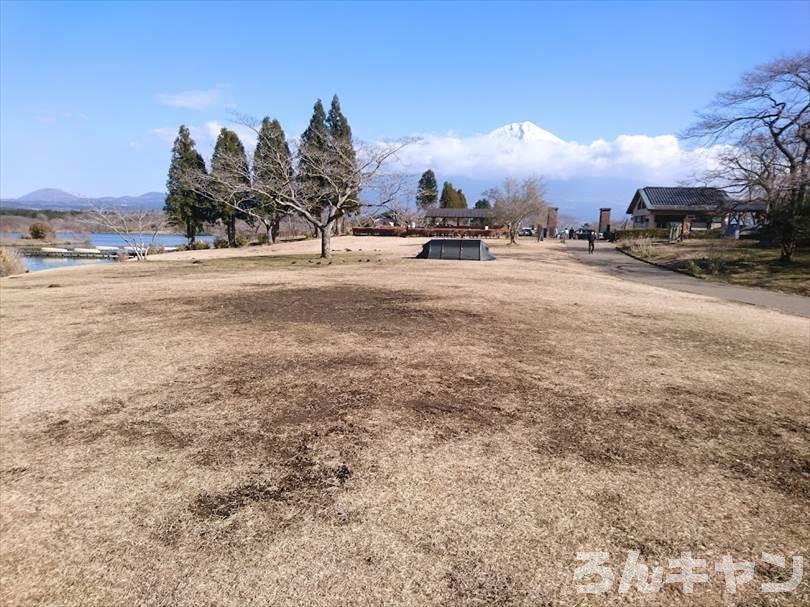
342, 147
271, 162
427, 193
229, 165
185, 207
452, 198
448, 197
461, 199
311, 152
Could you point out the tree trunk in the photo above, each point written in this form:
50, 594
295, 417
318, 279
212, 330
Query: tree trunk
191, 232
268, 228
326, 240
788, 247
230, 228
274, 231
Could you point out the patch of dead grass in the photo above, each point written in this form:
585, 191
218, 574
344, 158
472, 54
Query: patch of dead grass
432, 434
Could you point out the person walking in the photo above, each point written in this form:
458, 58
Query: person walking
591, 242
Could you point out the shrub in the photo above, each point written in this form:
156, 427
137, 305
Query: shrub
263, 239
155, 249
220, 243
242, 240
631, 234
199, 245
713, 233
713, 264
640, 247
379, 231
10, 262
40, 230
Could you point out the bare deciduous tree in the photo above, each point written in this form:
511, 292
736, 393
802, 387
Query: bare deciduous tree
764, 128
517, 201
336, 174
138, 229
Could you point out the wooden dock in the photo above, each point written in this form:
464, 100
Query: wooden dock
74, 252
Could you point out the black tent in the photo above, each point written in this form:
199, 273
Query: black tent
470, 249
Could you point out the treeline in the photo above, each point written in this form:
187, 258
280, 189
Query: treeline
48, 214
427, 195
763, 125
319, 180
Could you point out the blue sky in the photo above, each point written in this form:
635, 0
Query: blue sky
91, 93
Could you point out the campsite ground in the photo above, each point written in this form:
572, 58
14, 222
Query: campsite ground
236, 428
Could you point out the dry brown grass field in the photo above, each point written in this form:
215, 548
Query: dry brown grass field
254, 427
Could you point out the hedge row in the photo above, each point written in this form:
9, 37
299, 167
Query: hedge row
379, 231
656, 233
428, 231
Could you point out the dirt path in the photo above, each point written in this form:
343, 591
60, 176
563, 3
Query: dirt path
609, 259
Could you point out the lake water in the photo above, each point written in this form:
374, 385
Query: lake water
35, 264
109, 239
104, 239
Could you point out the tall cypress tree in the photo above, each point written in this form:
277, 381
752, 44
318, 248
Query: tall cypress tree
271, 167
313, 145
183, 206
450, 198
461, 199
229, 166
345, 158
337, 123
427, 192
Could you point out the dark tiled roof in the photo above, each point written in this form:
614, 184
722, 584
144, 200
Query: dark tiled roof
684, 198
459, 213
680, 199
748, 205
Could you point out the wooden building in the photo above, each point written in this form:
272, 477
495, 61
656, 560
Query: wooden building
702, 208
470, 218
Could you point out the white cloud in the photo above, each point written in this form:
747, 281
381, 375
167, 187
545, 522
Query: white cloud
643, 157
204, 136
164, 134
246, 135
193, 100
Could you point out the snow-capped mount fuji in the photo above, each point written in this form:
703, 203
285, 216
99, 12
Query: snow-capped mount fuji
524, 131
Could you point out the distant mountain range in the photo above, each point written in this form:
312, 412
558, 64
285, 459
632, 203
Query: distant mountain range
52, 198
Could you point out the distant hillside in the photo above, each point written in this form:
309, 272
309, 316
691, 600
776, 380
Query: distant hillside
50, 195
52, 198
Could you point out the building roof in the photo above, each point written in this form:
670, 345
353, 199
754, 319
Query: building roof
679, 199
692, 199
459, 213
748, 205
